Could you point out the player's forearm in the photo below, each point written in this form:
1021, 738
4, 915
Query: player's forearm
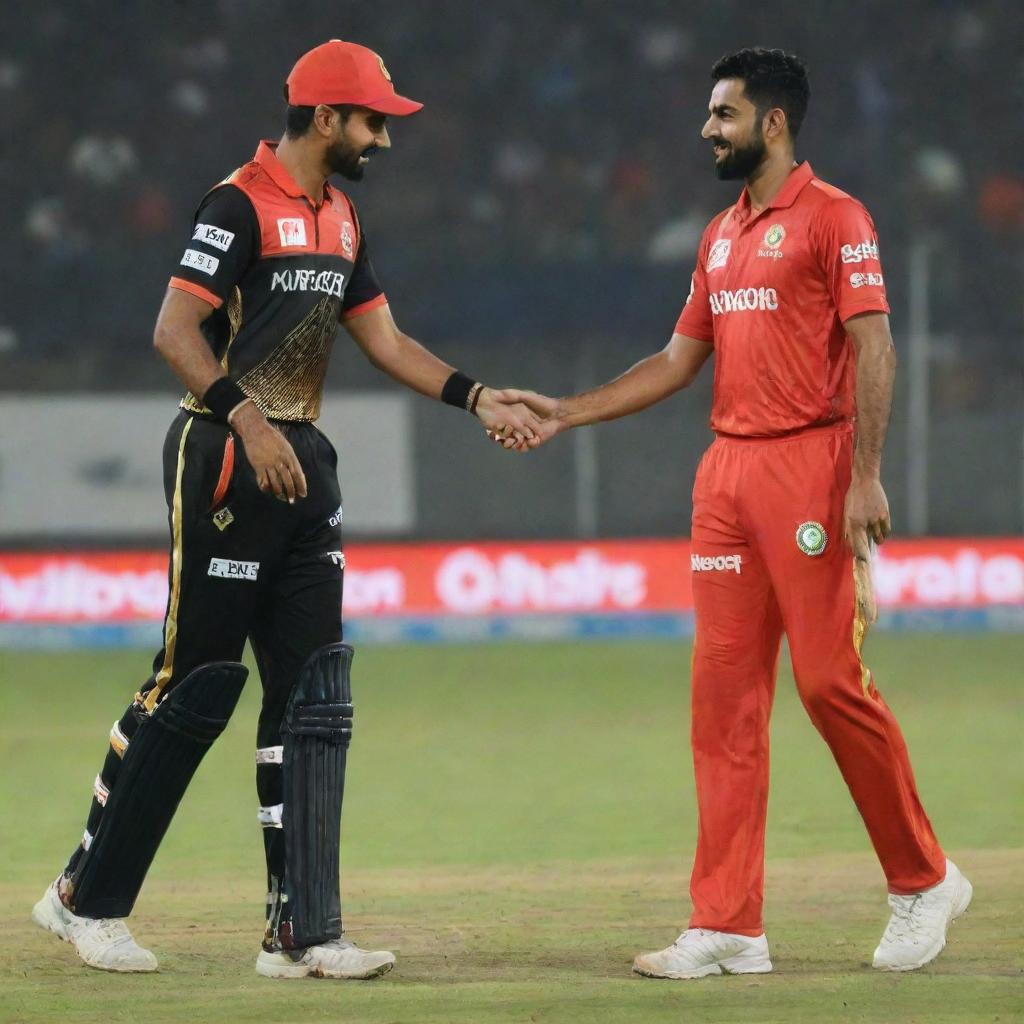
188, 355
408, 362
641, 386
876, 371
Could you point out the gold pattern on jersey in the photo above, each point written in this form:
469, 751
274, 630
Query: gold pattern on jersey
288, 384
234, 321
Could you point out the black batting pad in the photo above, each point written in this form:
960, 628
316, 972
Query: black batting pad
317, 730
158, 765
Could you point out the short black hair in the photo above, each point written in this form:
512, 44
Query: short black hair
771, 78
298, 119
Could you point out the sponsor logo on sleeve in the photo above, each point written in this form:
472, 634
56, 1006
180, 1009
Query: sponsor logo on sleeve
330, 282
811, 538
228, 569
859, 253
718, 255
200, 261
347, 240
337, 518
716, 563
213, 235
773, 238
863, 280
292, 230
337, 557
744, 300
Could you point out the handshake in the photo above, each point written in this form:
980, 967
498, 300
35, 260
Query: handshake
520, 420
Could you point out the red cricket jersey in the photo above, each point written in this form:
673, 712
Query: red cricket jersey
771, 292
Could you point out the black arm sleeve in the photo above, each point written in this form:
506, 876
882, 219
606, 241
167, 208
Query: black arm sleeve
363, 286
225, 242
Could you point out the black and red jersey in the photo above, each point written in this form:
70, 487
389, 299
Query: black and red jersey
281, 271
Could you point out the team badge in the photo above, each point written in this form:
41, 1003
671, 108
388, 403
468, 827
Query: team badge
811, 538
347, 246
383, 70
718, 255
774, 236
223, 519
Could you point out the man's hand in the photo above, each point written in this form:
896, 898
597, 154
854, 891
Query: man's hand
866, 515
277, 469
508, 418
865, 520
551, 423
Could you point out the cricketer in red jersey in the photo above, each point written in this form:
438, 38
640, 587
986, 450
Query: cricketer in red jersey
788, 295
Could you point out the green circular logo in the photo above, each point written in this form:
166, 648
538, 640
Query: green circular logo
774, 235
811, 538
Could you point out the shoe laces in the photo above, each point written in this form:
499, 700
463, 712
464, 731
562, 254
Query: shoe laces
696, 941
341, 943
911, 915
112, 929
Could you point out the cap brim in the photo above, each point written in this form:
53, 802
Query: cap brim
395, 105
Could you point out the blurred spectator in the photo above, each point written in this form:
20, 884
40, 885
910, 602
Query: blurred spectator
554, 134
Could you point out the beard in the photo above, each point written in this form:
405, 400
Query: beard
343, 159
741, 161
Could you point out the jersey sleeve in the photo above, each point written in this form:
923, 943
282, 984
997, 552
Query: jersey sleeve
847, 250
364, 291
695, 320
225, 242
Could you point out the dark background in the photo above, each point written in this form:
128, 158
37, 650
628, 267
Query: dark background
536, 224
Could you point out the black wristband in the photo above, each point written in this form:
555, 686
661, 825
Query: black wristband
223, 396
456, 390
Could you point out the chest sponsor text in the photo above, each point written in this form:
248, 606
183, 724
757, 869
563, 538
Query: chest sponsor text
330, 282
742, 300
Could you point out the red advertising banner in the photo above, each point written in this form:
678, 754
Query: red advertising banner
500, 579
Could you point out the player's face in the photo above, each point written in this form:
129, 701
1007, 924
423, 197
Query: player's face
356, 139
734, 130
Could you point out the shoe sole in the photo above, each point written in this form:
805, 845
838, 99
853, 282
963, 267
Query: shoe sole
281, 971
733, 966
964, 895
110, 969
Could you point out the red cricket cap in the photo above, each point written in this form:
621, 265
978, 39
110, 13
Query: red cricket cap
338, 72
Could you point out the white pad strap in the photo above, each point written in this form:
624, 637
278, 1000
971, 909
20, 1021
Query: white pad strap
86, 839
270, 755
100, 791
270, 817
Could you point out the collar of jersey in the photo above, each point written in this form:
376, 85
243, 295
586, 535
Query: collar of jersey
266, 157
786, 196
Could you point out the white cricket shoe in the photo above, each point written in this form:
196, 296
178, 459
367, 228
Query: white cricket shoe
916, 932
102, 942
338, 958
51, 914
699, 952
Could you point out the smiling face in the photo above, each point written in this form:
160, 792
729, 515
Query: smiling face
354, 140
735, 130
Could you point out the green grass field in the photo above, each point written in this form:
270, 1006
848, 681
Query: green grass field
519, 823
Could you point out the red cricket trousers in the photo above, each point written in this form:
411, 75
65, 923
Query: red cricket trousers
768, 557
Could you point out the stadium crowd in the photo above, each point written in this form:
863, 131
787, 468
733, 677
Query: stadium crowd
555, 133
